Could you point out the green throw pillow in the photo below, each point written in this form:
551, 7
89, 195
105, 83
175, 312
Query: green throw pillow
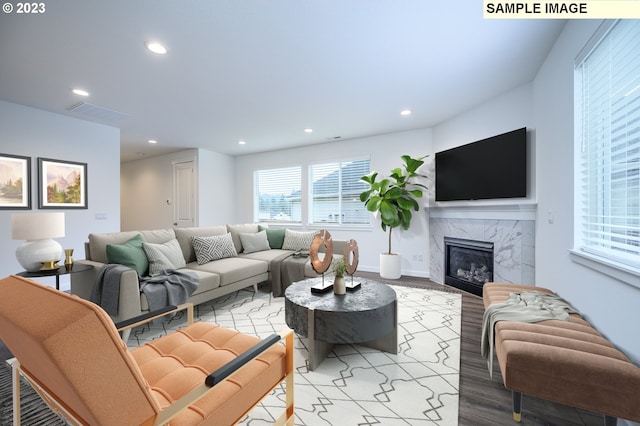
274, 236
129, 254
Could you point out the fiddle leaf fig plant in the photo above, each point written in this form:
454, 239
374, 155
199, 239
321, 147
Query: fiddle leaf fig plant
395, 197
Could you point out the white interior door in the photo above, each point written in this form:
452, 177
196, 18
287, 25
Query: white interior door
184, 194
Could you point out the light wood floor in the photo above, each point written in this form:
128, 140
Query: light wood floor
485, 401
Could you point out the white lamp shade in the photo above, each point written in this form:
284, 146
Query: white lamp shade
37, 226
37, 229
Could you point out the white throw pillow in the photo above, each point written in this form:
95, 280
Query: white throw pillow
213, 248
298, 240
163, 256
254, 242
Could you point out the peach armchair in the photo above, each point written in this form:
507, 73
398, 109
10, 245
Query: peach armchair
69, 350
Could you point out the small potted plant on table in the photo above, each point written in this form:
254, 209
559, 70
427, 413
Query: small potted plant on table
339, 268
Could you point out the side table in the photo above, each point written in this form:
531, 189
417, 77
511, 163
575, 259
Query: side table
63, 270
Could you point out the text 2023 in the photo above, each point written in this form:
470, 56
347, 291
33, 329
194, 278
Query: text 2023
30, 8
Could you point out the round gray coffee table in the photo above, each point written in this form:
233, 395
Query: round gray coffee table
367, 316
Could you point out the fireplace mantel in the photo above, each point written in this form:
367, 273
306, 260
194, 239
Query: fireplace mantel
470, 210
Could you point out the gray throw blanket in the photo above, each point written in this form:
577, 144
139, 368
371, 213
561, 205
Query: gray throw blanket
106, 288
286, 269
525, 306
170, 287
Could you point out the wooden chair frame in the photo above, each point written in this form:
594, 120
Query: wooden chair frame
59, 407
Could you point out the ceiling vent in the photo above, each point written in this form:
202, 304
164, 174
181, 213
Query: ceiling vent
97, 112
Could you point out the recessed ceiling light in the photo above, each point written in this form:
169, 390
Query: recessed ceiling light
153, 141
405, 112
308, 130
156, 47
242, 143
80, 92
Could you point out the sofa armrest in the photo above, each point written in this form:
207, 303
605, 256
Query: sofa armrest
150, 316
129, 297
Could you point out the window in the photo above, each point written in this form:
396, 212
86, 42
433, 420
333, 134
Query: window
335, 193
278, 193
608, 146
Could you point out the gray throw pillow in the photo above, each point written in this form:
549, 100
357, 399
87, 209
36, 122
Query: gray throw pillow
213, 248
164, 256
254, 242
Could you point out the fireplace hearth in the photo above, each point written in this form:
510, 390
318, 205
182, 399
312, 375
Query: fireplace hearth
468, 264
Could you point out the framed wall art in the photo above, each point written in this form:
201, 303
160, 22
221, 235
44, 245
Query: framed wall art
15, 182
62, 184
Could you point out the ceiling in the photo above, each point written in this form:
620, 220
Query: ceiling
263, 71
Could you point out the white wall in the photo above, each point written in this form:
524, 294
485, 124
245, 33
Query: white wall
36, 133
384, 152
147, 184
611, 305
509, 111
217, 189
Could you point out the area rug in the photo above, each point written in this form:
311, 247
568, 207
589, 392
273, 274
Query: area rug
355, 385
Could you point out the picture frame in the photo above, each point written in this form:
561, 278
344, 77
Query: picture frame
15, 182
62, 184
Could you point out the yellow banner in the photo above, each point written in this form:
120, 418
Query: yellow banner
587, 9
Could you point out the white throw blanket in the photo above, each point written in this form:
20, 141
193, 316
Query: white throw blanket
525, 306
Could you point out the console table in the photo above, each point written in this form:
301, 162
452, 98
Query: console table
367, 316
62, 270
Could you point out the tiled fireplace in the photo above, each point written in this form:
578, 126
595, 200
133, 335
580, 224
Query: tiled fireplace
506, 233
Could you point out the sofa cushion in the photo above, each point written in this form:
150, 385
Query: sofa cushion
236, 230
275, 236
266, 255
232, 269
254, 242
98, 242
184, 236
129, 254
298, 240
206, 282
213, 248
163, 256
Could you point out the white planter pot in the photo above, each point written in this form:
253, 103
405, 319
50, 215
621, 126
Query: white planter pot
390, 266
339, 286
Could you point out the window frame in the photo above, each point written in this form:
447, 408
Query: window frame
310, 197
604, 259
257, 194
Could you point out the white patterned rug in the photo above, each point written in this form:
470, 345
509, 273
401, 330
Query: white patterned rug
355, 385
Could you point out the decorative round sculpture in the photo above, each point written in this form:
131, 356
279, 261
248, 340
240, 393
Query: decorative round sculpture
322, 238
351, 256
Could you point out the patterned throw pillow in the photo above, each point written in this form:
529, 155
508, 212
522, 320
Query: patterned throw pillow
213, 248
297, 240
164, 256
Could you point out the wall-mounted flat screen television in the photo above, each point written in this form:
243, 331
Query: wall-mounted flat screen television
495, 167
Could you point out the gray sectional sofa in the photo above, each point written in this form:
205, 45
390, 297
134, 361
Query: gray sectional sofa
247, 266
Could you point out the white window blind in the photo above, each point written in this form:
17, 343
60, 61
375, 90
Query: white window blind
608, 169
335, 192
278, 195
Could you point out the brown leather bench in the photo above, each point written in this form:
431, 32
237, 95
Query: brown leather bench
563, 361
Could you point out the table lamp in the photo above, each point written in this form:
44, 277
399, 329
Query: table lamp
39, 251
